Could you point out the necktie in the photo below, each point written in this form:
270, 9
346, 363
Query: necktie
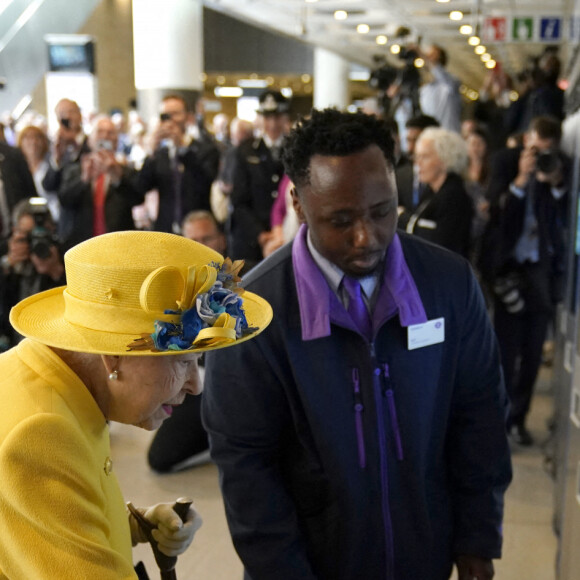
357, 307
99, 225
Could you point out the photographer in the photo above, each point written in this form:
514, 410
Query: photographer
97, 195
69, 143
182, 169
33, 262
523, 256
440, 98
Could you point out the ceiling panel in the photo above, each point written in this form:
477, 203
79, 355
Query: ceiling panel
426, 20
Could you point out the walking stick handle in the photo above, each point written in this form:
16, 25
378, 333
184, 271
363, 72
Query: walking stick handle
181, 507
166, 563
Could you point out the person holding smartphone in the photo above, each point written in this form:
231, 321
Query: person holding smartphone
181, 168
97, 194
69, 142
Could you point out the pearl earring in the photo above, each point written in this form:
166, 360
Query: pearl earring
114, 375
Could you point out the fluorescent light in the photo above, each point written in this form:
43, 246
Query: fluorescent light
340, 15
253, 83
359, 75
22, 105
381, 39
456, 15
228, 91
466, 29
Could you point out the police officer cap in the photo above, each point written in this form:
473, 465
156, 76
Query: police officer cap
273, 102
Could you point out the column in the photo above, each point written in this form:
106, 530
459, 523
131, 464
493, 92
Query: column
330, 80
168, 51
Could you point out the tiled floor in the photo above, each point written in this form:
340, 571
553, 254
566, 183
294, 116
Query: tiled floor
529, 547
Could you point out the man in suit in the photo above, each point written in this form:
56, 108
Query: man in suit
16, 184
523, 256
181, 168
408, 185
257, 174
97, 195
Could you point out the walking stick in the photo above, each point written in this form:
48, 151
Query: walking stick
166, 563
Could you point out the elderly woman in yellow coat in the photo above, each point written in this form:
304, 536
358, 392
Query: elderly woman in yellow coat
119, 343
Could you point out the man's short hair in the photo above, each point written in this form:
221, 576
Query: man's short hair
332, 133
200, 215
547, 127
442, 54
421, 122
176, 97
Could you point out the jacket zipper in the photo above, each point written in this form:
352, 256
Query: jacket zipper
390, 396
386, 511
358, 409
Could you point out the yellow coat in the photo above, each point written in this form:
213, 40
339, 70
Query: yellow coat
62, 514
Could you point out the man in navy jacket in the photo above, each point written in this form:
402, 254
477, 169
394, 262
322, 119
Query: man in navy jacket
346, 454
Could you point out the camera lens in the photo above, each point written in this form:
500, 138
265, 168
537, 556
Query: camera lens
41, 248
547, 161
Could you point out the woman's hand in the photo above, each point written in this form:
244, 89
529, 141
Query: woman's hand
172, 535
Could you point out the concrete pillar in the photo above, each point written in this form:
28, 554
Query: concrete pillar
330, 80
168, 48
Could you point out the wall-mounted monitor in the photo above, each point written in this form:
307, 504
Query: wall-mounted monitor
71, 53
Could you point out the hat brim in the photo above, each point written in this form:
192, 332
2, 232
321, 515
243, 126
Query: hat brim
41, 317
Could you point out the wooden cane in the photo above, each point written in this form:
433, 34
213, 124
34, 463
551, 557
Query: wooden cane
166, 563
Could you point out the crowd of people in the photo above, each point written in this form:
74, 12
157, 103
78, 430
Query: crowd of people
374, 405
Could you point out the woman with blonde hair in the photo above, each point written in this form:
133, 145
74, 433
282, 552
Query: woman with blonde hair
34, 144
445, 211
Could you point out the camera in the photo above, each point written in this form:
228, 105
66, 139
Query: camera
40, 238
65, 123
547, 161
408, 77
165, 117
508, 289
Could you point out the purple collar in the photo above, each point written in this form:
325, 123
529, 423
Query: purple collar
319, 305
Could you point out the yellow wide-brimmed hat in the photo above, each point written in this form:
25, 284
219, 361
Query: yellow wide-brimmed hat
143, 293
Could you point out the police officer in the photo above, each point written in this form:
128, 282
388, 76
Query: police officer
256, 178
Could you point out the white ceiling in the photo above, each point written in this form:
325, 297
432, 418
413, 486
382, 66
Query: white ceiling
428, 21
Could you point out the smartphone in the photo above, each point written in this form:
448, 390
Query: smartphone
105, 144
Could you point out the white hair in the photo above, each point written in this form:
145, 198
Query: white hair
449, 146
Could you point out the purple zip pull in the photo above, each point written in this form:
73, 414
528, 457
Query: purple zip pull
358, 409
393, 412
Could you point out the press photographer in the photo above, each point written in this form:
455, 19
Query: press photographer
33, 262
523, 255
398, 85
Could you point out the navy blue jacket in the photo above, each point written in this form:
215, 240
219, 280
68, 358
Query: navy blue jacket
341, 459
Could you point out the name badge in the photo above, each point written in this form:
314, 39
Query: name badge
426, 333
427, 224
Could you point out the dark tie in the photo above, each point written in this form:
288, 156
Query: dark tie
357, 307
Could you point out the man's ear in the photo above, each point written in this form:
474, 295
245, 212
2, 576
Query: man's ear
297, 204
